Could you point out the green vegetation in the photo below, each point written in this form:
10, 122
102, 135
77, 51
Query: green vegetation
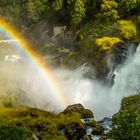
92, 27
128, 7
109, 10
35, 8
13, 133
127, 120
78, 12
106, 43
127, 29
23, 122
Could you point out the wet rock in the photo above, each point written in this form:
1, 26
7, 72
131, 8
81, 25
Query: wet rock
86, 137
74, 131
98, 130
40, 127
78, 108
120, 53
34, 137
106, 123
59, 30
91, 123
103, 138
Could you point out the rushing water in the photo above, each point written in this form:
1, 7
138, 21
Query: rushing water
93, 94
106, 123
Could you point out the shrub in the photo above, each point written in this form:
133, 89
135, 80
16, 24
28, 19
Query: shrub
78, 12
13, 133
127, 29
128, 7
106, 43
109, 10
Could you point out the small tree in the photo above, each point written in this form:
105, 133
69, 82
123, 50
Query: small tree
109, 10
78, 12
36, 8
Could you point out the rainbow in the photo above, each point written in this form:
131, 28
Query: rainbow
36, 59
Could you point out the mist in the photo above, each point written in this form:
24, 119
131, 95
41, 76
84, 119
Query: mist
23, 82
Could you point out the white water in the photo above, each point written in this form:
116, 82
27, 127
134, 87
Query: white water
102, 100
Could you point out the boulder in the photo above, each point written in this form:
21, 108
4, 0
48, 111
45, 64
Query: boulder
74, 131
59, 30
98, 130
78, 108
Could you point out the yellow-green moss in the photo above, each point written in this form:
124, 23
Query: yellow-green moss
44, 124
106, 43
92, 123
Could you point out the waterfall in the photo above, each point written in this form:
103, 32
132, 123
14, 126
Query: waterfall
103, 100
127, 79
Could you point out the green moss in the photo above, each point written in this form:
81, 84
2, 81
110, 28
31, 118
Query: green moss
87, 114
130, 101
65, 119
13, 133
50, 137
91, 123
126, 122
44, 124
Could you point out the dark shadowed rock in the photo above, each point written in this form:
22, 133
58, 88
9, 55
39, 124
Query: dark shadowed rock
74, 131
78, 108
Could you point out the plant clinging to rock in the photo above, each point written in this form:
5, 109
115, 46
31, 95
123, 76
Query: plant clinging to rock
106, 43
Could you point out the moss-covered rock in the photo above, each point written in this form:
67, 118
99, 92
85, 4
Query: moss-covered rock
92, 123
126, 123
78, 108
42, 124
130, 101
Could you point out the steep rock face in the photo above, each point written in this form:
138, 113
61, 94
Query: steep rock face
78, 108
121, 52
118, 56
